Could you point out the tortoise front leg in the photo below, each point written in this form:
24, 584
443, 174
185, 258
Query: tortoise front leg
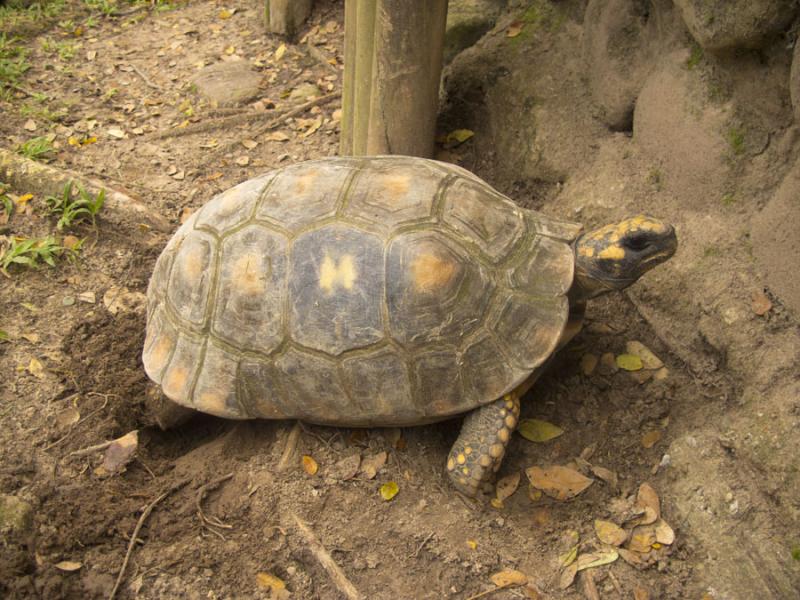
478, 452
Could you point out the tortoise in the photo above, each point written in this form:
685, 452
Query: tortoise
379, 291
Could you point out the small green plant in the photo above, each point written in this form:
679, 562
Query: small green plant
12, 62
5, 202
796, 553
38, 148
41, 111
30, 252
656, 178
4, 337
65, 50
736, 140
695, 57
106, 7
81, 207
728, 199
711, 252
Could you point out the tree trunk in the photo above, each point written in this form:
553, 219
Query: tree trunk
285, 16
393, 63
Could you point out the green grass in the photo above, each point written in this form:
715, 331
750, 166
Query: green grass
42, 112
12, 61
72, 208
728, 199
31, 252
656, 178
5, 201
796, 553
735, 138
38, 148
695, 57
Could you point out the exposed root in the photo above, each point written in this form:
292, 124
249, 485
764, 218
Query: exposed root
212, 524
290, 448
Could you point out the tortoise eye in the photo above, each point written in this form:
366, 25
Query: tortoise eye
636, 242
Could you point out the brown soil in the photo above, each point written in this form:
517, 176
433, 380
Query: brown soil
425, 543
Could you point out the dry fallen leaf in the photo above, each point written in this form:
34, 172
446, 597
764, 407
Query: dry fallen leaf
35, 368
242, 161
647, 498
649, 360
87, 297
597, 559
372, 464
558, 482
280, 52
68, 416
278, 136
116, 132
249, 144
610, 533
310, 466
629, 362
568, 576
651, 438
664, 533
642, 539
345, 469
68, 565
761, 304
514, 29
389, 490
569, 557
473, 545
589, 363
274, 585
537, 430
457, 137
507, 485
508, 577
606, 475
119, 454
631, 558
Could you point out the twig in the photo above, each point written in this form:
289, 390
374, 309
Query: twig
318, 550
211, 522
589, 587
19, 88
209, 125
616, 584
79, 423
146, 79
91, 449
272, 124
290, 447
422, 545
146, 513
486, 592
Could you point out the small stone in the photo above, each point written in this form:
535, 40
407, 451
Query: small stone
649, 360
588, 363
116, 132
179, 176
304, 91
87, 297
68, 301
242, 161
608, 364
30, 125
16, 515
172, 169
228, 83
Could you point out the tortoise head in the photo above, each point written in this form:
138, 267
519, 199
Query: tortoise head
615, 256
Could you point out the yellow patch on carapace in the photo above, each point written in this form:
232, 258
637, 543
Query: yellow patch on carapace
159, 353
303, 183
612, 252
192, 263
211, 401
248, 276
396, 186
175, 381
431, 272
333, 274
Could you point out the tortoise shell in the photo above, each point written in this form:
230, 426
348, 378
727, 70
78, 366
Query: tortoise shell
356, 291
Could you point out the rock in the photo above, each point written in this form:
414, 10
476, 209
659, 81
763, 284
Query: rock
467, 21
794, 82
228, 83
776, 243
735, 23
16, 515
304, 91
686, 133
615, 49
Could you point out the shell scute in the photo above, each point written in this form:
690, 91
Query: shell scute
191, 277
215, 390
234, 206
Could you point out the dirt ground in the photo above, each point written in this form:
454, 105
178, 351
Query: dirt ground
229, 514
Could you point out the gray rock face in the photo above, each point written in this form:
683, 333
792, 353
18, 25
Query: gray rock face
735, 23
285, 17
615, 51
794, 82
467, 21
228, 83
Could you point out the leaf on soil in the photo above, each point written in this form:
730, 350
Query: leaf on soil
310, 466
664, 533
278, 136
121, 299
508, 577
631, 558
649, 360
68, 565
87, 297
68, 416
35, 368
761, 304
568, 576
606, 475
242, 161
647, 498
642, 539
651, 438
372, 464
249, 144
458, 136
30, 125
514, 29
610, 533
596, 559
537, 430
280, 52
558, 482
346, 468
568, 558
226, 14
507, 485
119, 454
389, 490
116, 132
629, 362
274, 585
589, 363
473, 545
315, 125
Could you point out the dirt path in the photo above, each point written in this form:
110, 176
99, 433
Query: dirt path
72, 376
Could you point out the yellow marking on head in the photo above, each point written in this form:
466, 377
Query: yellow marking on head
612, 252
511, 422
158, 355
175, 381
248, 275
585, 250
396, 185
430, 272
304, 182
333, 274
461, 459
